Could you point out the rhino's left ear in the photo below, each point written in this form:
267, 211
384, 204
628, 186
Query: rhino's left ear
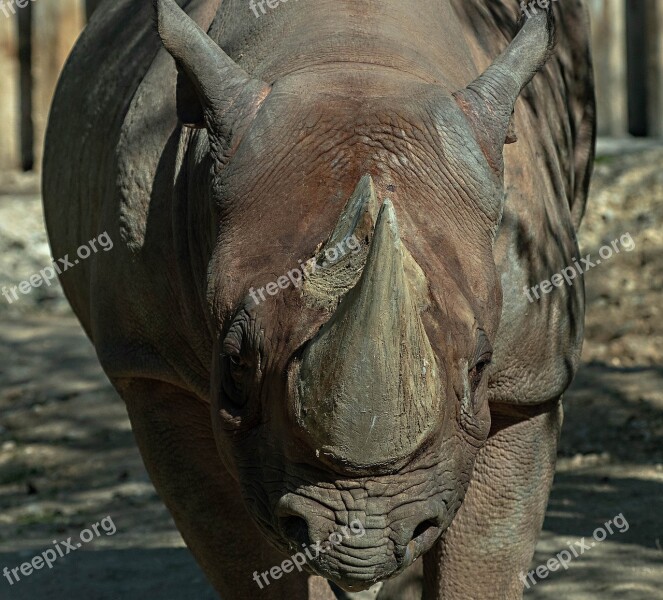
212, 90
488, 102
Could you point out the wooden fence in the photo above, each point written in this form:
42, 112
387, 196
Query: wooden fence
628, 55
36, 39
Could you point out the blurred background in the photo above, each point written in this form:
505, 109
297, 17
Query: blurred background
67, 455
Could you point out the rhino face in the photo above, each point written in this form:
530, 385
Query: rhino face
356, 392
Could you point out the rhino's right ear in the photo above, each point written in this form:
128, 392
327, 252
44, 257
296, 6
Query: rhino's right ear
212, 90
488, 101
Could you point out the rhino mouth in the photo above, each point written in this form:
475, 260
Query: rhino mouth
354, 568
371, 527
356, 555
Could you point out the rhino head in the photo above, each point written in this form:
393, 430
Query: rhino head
358, 391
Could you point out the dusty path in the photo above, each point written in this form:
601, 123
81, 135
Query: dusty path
67, 460
67, 456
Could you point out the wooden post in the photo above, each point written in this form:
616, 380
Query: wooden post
609, 50
25, 86
9, 94
56, 26
638, 67
655, 52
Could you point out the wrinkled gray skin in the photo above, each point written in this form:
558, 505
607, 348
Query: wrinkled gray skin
411, 386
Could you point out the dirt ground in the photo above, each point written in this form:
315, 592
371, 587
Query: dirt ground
68, 459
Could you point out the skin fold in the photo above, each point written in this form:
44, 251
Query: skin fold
408, 385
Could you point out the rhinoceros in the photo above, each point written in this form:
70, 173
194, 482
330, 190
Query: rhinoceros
326, 216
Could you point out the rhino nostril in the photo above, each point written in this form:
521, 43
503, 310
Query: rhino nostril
423, 537
295, 528
425, 531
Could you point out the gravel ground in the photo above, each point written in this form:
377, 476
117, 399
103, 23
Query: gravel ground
68, 459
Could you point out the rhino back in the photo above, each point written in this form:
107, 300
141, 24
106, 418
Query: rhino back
110, 154
91, 101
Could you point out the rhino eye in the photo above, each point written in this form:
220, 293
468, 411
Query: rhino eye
240, 365
236, 374
476, 373
235, 366
484, 355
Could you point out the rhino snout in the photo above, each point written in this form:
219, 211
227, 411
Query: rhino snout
356, 553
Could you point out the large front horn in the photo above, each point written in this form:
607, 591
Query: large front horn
489, 100
212, 90
369, 386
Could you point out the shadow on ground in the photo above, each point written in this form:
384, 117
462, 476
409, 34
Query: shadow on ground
611, 464
68, 459
131, 574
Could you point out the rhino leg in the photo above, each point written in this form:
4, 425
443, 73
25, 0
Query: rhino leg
176, 442
493, 536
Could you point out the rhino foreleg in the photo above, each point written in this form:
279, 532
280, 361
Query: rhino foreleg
492, 539
177, 444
